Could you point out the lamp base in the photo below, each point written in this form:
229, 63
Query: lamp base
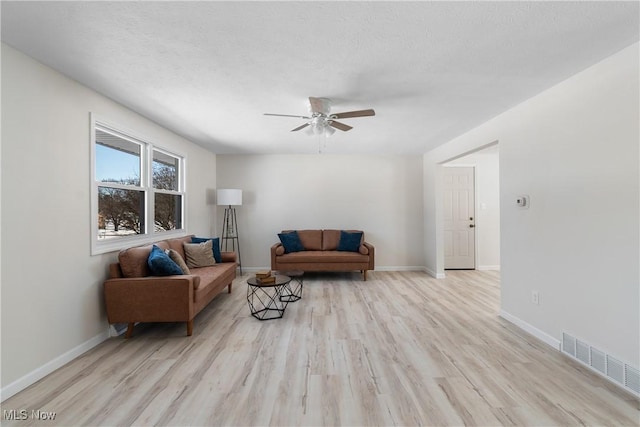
230, 234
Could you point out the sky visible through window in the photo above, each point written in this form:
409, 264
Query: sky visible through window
115, 164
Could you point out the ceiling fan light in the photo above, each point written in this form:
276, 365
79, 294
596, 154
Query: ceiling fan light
329, 130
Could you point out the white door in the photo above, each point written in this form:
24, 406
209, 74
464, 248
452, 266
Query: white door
459, 218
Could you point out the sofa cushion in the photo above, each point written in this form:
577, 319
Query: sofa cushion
177, 258
331, 238
133, 261
209, 275
215, 245
161, 265
323, 257
199, 254
176, 244
311, 239
291, 242
350, 242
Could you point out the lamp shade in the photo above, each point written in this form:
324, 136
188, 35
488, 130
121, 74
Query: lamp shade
228, 197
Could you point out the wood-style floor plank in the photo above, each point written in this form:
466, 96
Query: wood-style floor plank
399, 349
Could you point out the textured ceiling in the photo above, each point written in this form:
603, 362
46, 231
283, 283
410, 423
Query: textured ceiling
209, 70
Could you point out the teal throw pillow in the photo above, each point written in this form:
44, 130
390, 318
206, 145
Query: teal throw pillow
160, 264
215, 243
350, 241
291, 242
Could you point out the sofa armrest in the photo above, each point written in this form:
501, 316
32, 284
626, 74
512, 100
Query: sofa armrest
150, 299
115, 271
372, 254
229, 257
273, 255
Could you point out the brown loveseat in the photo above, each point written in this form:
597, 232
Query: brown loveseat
133, 295
321, 254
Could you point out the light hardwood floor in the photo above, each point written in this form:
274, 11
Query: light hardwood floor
399, 349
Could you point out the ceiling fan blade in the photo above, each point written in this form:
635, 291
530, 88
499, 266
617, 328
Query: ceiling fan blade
287, 115
317, 105
359, 113
300, 127
340, 126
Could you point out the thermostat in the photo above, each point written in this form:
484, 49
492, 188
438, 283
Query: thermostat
523, 202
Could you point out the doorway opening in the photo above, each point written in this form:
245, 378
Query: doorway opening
471, 210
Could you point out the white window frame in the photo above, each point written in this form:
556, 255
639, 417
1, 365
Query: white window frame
146, 185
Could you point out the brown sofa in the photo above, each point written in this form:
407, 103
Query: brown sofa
320, 254
133, 295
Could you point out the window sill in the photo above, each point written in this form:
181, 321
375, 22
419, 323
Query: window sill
117, 244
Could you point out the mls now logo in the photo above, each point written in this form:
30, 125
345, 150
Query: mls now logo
23, 414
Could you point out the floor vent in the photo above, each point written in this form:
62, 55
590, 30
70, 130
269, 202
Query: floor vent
615, 369
610, 367
582, 352
569, 344
632, 378
598, 360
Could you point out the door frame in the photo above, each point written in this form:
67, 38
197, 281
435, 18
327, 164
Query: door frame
439, 272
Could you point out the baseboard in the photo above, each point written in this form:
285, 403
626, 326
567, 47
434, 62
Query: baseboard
433, 274
537, 333
400, 268
383, 268
41, 372
488, 268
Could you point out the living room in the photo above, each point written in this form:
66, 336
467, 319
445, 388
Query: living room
572, 148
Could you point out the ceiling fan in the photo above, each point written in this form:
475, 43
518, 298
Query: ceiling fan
322, 120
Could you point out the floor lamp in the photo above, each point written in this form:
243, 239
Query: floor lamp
230, 198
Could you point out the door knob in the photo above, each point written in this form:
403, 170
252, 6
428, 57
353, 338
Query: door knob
470, 218
471, 225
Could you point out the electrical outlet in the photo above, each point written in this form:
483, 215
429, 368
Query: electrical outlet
535, 297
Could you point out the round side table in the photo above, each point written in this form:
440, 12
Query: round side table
265, 299
293, 290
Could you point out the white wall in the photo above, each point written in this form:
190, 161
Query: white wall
52, 307
487, 207
574, 149
381, 195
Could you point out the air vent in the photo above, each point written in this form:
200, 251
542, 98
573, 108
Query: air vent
569, 344
609, 367
632, 378
582, 352
598, 360
615, 369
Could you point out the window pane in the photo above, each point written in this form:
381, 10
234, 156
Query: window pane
120, 212
168, 211
165, 171
117, 160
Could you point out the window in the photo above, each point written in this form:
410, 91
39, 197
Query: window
138, 190
167, 197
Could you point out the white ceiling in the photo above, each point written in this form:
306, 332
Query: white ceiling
209, 70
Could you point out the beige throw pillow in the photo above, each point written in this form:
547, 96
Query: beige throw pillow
175, 257
199, 254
